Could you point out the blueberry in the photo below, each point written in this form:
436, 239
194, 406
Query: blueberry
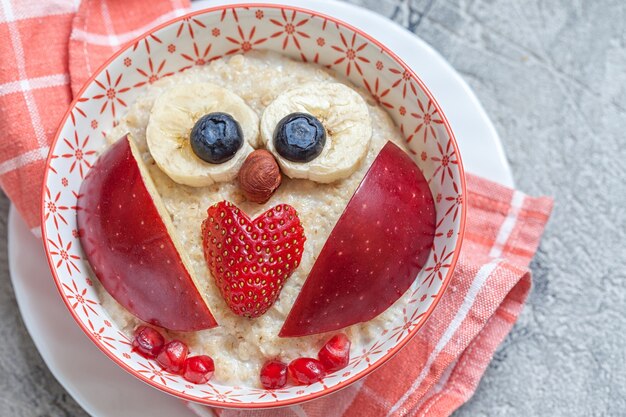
216, 137
299, 137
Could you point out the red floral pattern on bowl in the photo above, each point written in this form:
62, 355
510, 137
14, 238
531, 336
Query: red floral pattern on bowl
197, 39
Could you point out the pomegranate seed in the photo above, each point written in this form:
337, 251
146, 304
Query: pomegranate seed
335, 354
306, 371
198, 369
172, 356
274, 374
148, 342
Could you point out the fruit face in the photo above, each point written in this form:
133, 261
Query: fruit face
299, 137
274, 374
198, 369
251, 259
305, 371
374, 253
172, 356
216, 137
335, 354
126, 235
148, 342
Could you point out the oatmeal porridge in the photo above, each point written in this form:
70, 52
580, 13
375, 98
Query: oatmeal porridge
239, 345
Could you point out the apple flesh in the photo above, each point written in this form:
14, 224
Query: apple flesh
127, 236
373, 254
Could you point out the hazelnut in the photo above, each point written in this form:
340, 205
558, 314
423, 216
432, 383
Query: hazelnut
259, 176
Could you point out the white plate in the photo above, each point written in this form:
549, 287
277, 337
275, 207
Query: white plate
105, 390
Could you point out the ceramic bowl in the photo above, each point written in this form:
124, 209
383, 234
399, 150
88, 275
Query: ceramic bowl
183, 43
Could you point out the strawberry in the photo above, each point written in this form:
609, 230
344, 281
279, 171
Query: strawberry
251, 259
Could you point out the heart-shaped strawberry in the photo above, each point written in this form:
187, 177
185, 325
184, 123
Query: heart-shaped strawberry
251, 259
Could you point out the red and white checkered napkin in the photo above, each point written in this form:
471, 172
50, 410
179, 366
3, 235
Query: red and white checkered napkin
46, 46
40, 66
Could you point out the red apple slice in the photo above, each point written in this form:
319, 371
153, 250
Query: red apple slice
374, 253
128, 237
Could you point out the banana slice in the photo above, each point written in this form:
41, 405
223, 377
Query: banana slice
174, 114
345, 117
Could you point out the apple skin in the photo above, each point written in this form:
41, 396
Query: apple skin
374, 252
129, 248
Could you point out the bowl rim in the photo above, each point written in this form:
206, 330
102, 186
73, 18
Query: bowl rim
290, 401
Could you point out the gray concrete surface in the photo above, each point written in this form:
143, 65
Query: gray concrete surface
552, 75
